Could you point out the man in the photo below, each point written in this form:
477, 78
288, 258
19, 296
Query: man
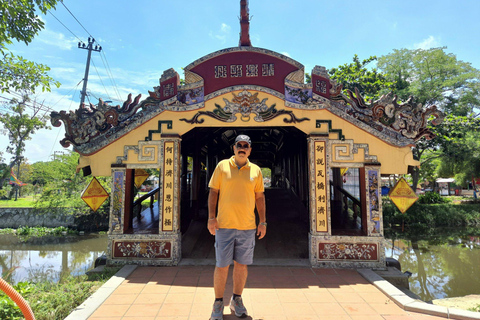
237, 184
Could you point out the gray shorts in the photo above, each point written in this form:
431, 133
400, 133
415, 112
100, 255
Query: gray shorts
233, 244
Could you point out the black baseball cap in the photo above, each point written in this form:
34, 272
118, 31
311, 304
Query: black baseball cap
243, 137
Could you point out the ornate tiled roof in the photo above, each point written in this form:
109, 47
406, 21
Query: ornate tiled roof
91, 127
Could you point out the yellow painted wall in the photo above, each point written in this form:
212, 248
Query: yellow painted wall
393, 159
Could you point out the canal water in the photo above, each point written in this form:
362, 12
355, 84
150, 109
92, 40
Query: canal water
443, 263
49, 258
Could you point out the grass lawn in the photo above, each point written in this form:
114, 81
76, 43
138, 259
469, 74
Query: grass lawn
26, 202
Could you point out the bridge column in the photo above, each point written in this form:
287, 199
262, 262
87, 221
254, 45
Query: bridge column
349, 247
163, 248
320, 216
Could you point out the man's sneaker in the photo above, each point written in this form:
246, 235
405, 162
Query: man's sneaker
236, 305
217, 312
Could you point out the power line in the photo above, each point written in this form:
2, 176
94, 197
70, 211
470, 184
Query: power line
73, 89
34, 107
109, 72
65, 26
108, 95
90, 48
76, 19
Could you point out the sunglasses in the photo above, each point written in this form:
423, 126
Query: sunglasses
243, 146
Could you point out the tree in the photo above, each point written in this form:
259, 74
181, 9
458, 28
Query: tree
369, 81
434, 77
459, 144
62, 186
20, 125
19, 22
453, 152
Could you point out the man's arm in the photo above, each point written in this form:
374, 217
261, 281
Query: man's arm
261, 209
212, 208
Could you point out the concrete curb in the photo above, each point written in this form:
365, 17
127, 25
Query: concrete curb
409, 304
88, 307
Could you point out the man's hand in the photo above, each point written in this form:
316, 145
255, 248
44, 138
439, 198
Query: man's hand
212, 226
261, 231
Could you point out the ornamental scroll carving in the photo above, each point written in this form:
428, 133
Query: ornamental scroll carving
408, 119
88, 122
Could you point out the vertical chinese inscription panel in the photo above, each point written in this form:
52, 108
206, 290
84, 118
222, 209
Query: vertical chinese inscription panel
321, 187
168, 182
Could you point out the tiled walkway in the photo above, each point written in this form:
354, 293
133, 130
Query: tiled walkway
185, 292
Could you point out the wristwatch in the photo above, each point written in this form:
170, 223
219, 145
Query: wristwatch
263, 224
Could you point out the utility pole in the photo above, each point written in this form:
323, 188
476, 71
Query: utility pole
90, 48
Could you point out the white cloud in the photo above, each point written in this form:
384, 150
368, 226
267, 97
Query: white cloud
286, 54
222, 34
225, 28
57, 39
430, 42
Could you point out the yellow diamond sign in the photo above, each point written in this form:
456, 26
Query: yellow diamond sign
402, 195
94, 194
140, 177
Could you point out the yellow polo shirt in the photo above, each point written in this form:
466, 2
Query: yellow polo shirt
237, 188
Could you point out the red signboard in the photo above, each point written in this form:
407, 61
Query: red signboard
244, 68
321, 86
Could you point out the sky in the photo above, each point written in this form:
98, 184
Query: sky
141, 39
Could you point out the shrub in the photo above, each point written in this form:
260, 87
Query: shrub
8, 309
475, 309
431, 215
50, 300
432, 197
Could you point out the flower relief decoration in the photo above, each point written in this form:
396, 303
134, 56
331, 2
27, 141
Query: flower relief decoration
244, 104
408, 118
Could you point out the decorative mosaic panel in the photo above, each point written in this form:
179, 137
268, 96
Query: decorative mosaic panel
321, 187
117, 202
348, 251
374, 203
245, 105
142, 249
168, 184
343, 151
298, 95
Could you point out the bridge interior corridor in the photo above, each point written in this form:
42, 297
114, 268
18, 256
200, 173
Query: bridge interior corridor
287, 231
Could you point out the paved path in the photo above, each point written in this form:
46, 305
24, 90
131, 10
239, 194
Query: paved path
271, 293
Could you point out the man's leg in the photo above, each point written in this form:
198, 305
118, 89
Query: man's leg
240, 273
245, 243
219, 281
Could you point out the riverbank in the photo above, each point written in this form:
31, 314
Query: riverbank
470, 302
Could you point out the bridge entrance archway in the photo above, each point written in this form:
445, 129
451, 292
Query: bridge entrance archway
282, 154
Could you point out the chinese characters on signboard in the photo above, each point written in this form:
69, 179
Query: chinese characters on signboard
248, 70
168, 179
321, 86
321, 186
